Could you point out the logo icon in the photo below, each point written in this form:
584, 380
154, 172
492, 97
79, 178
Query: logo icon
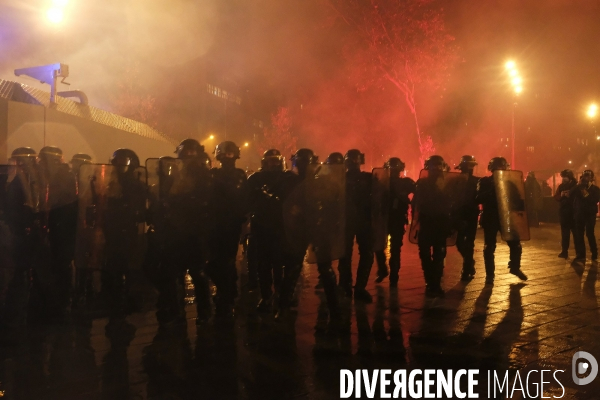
582, 363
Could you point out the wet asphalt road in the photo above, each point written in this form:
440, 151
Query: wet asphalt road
511, 326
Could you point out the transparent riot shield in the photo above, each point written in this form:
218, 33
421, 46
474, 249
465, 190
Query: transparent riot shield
380, 207
510, 194
325, 212
7, 265
451, 197
7, 174
111, 220
153, 173
184, 190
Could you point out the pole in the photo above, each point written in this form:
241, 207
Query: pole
512, 159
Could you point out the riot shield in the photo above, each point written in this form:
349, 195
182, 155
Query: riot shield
7, 174
325, 212
111, 219
452, 196
380, 207
510, 194
153, 174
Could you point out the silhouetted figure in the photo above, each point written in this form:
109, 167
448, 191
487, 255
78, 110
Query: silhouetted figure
467, 218
400, 188
565, 211
585, 207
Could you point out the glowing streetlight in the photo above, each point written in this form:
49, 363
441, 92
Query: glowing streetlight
55, 15
246, 144
517, 86
592, 111
570, 162
211, 137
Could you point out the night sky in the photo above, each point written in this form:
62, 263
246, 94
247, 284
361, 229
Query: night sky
290, 50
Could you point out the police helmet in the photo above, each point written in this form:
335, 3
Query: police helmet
125, 158
395, 163
23, 152
335, 158
227, 149
189, 148
272, 160
435, 162
466, 162
51, 154
497, 163
355, 157
304, 157
82, 158
567, 173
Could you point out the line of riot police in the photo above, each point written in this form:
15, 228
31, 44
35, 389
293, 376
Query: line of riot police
177, 215
577, 211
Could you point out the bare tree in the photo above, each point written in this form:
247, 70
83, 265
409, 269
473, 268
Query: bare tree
399, 42
131, 99
279, 135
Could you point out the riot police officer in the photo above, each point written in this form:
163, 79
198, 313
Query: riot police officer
125, 212
585, 206
183, 229
565, 212
434, 219
267, 189
327, 278
24, 218
490, 222
297, 239
533, 193
400, 188
229, 185
334, 158
467, 218
61, 206
358, 224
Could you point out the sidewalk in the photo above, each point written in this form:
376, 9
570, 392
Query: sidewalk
513, 326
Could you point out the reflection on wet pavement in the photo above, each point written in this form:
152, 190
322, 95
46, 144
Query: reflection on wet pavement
510, 326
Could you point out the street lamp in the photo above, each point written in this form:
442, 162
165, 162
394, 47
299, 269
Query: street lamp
517, 86
55, 15
592, 111
56, 12
246, 144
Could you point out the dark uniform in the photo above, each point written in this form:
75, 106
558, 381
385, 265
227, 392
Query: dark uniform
434, 219
26, 223
125, 211
468, 215
533, 194
490, 222
400, 188
565, 212
267, 190
182, 223
358, 224
585, 207
297, 238
327, 278
229, 186
61, 197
